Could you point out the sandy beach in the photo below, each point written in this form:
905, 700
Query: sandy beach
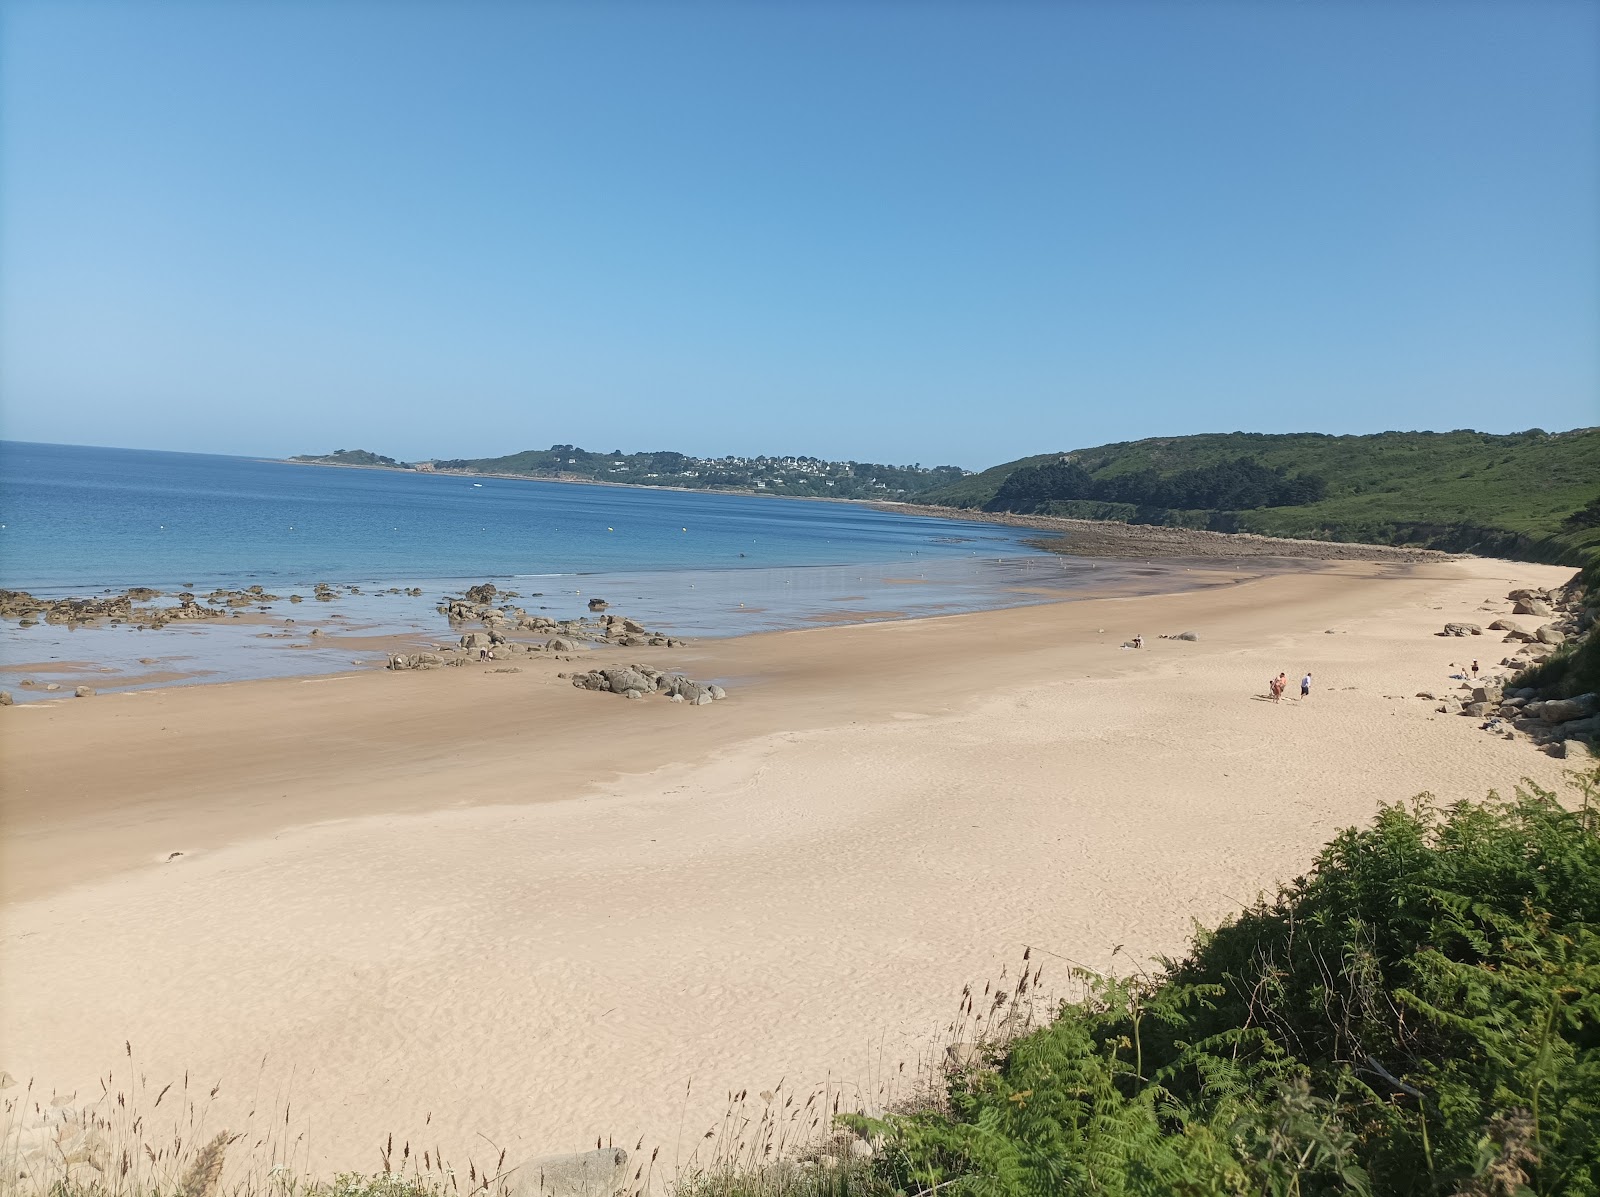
472, 903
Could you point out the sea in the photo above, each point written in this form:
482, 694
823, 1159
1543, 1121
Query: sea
78, 520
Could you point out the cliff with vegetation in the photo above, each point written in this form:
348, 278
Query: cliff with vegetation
1532, 495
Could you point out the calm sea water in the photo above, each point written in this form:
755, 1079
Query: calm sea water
79, 520
83, 519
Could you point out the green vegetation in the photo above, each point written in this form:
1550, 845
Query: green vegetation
355, 457
808, 476
1533, 495
1420, 1014
1574, 668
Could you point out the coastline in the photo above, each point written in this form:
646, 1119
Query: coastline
611, 898
1112, 538
1075, 537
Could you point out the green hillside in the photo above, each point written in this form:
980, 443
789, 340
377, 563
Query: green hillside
1529, 494
790, 475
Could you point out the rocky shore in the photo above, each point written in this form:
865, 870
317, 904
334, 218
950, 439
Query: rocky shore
1563, 726
1104, 538
116, 609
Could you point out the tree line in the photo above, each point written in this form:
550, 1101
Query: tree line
1238, 485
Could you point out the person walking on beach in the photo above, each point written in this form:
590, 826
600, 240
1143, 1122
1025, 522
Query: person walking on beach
1474, 668
1305, 686
1283, 684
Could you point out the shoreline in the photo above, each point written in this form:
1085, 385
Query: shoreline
611, 898
255, 643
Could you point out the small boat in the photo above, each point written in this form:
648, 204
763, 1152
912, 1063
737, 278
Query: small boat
479, 485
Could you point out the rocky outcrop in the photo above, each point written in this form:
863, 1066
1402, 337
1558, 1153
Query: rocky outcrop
641, 681
1462, 629
113, 609
1564, 710
415, 661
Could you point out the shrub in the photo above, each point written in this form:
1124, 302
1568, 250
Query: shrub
1419, 1014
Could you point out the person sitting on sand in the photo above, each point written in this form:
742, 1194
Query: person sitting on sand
1305, 686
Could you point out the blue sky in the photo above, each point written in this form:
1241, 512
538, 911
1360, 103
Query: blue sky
919, 232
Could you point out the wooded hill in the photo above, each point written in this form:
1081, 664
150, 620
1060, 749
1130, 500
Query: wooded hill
1531, 494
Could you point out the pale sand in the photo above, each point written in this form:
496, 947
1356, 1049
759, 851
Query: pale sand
536, 913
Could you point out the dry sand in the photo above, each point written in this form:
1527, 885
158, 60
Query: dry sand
536, 913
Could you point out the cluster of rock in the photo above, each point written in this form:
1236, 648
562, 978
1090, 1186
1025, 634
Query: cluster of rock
251, 596
1565, 617
638, 681
1564, 725
117, 609
477, 605
423, 660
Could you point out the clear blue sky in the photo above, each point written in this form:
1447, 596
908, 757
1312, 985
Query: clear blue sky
920, 232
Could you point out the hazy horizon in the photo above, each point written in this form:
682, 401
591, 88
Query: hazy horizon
598, 447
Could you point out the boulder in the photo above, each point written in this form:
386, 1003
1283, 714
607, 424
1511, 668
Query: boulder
83, 692
1579, 728
557, 644
1531, 606
1476, 710
621, 679
598, 604
1550, 634
584, 1174
1462, 629
717, 693
5, 698
476, 640
1504, 625
1563, 710
1488, 692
